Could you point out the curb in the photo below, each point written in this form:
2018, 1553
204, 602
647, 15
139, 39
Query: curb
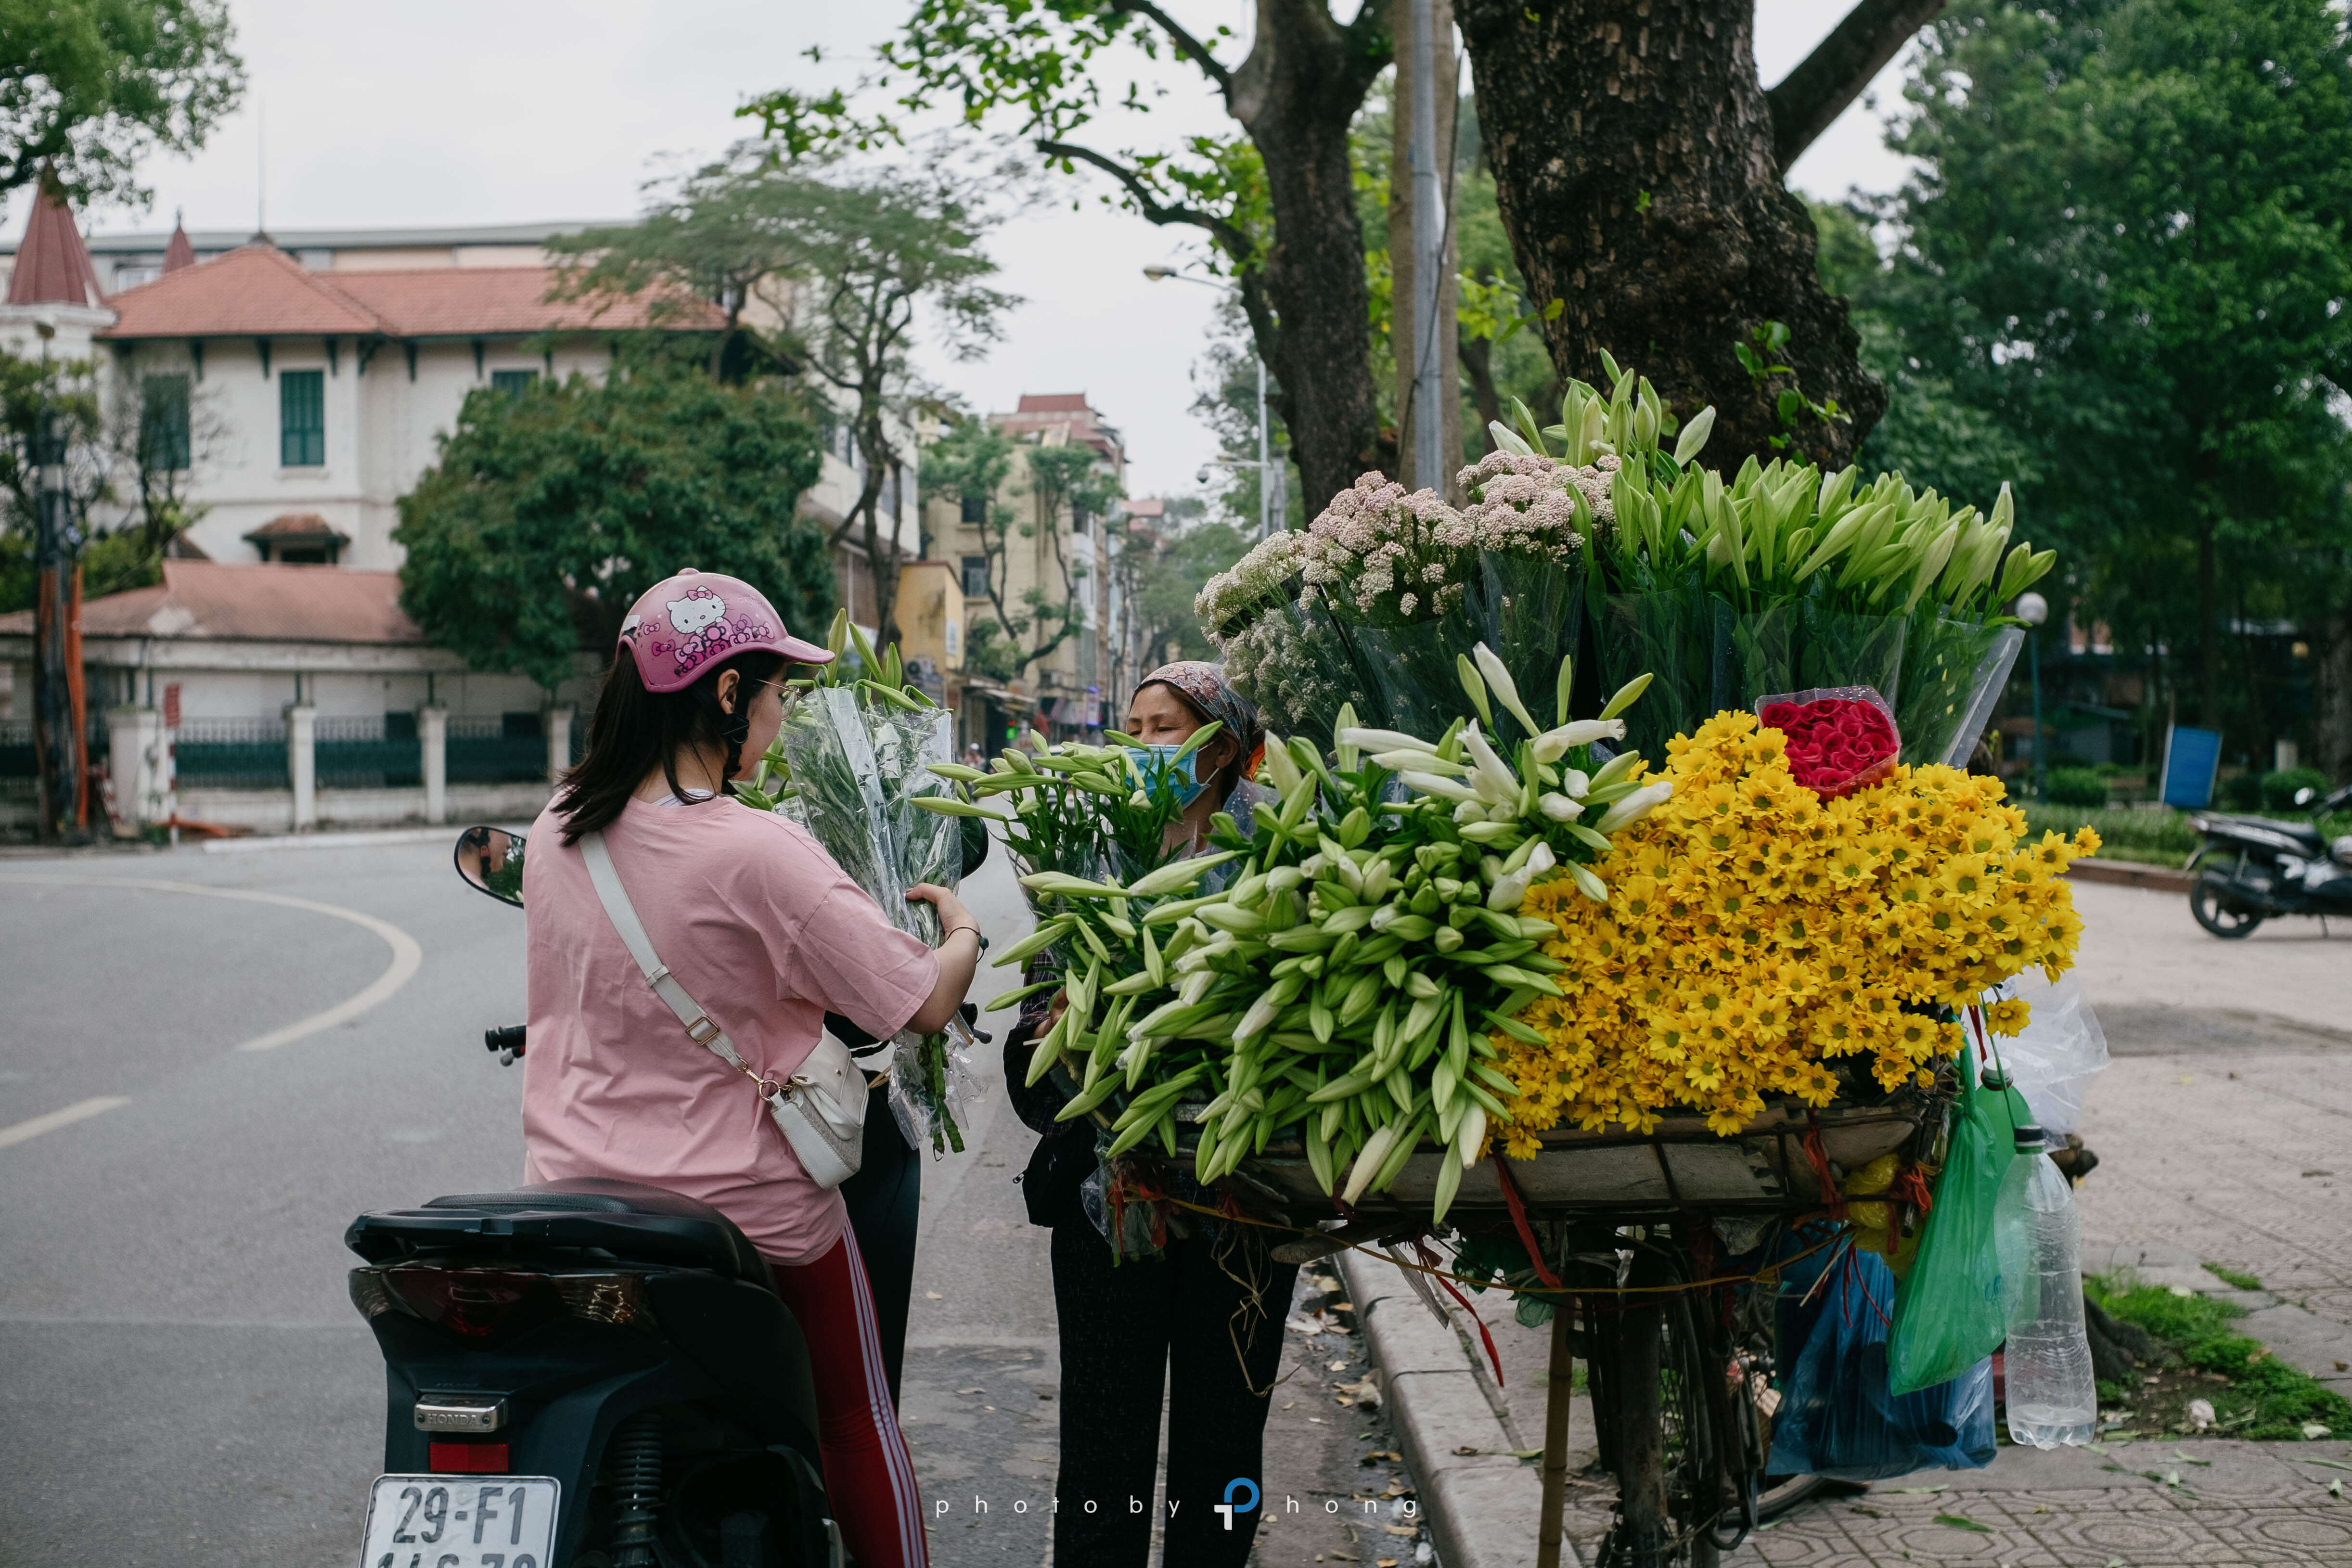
1482, 1509
2133, 874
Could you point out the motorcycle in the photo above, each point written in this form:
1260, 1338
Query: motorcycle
2254, 867
583, 1373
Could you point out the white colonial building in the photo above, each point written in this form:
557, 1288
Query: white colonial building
299, 385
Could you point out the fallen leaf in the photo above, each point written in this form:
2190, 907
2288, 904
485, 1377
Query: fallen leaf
1343, 1306
2044, 1509
933, 1296
2312, 1431
2335, 1488
2329, 1463
1318, 1421
1916, 1492
1406, 1530
1289, 1403
1958, 1521
971, 1390
2202, 1464
2185, 1078
1869, 1512
1387, 1563
1338, 1366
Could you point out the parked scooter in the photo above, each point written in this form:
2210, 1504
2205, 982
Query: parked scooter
2254, 867
583, 1373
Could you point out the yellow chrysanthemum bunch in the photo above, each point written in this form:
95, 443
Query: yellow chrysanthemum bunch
1754, 932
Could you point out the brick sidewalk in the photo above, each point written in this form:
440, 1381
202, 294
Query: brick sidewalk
2224, 1130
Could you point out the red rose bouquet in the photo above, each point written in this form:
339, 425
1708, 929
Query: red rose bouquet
1838, 741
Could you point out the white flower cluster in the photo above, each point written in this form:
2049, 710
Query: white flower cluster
1523, 504
1378, 550
1234, 596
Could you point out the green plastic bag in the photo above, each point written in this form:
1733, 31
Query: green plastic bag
1948, 1312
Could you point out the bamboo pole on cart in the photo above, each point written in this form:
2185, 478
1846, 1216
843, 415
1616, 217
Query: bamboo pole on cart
1555, 1450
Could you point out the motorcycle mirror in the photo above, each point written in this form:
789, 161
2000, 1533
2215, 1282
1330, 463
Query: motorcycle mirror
2305, 796
490, 858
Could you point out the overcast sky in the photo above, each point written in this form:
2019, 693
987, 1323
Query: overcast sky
437, 111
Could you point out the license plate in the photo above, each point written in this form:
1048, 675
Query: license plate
460, 1521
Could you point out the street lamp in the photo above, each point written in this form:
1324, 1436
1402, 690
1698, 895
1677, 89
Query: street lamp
1158, 273
2033, 609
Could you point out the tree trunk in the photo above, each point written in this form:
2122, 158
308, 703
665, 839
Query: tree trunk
2332, 724
1634, 170
1308, 304
2208, 629
1479, 360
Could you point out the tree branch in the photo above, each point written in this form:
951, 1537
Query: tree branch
1186, 43
1237, 243
1809, 97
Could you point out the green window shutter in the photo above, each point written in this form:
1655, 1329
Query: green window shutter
513, 383
301, 418
163, 424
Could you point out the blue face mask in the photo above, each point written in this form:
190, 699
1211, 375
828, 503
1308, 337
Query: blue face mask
1181, 772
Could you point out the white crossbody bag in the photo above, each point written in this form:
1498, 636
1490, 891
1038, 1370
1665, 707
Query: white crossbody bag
821, 1109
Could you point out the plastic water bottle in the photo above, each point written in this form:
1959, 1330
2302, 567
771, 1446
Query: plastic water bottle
2052, 1397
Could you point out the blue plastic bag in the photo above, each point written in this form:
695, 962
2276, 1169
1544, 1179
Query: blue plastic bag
1838, 1416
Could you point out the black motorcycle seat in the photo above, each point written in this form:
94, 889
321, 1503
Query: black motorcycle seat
2314, 847
629, 1219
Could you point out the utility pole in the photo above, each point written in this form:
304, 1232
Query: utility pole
56, 742
1265, 469
1420, 247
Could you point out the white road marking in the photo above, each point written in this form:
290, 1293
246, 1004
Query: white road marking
406, 956
12, 1136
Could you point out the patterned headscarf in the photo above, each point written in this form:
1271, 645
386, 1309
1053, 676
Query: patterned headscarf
1203, 685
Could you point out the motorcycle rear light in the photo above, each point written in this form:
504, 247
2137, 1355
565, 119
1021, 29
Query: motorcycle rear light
476, 1303
467, 1459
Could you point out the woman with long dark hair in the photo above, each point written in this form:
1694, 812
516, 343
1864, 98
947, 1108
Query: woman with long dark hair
763, 931
1201, 1324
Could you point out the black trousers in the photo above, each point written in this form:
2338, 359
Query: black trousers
886, 1202
1122, 1330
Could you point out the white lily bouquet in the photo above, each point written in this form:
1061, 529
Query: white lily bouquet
852, 758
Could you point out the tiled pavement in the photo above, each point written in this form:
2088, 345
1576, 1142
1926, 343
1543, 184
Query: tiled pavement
2224, 1129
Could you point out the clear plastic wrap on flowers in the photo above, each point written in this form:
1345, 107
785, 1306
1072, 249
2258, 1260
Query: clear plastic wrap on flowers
1806, 644
933, 1084
1953, 674
1528, 608
1293, 661
1669, 633
1839, 739
857, 771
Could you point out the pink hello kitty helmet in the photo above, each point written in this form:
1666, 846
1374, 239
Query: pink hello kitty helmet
682, 625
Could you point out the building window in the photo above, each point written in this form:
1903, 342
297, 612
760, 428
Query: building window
163, 424
513, 383
1077, 519
301, 418
975, 507
975, 577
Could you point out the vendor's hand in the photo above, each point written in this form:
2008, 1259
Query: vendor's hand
1061, 1005
951, 910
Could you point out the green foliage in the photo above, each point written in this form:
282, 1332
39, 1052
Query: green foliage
2279, 788
2236, 1277
2152, 838
2074, 786
1036, 68
2274, 1398
2119, 280
93, 87
549, 513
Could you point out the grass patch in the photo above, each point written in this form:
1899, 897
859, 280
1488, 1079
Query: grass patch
2152, 838
2255, 1394
2238, 1278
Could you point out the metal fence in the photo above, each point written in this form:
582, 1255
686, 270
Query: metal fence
369, 753
231, 754
19, 766
507, 750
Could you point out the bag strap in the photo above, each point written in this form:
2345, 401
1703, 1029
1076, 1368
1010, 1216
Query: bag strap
700, 1027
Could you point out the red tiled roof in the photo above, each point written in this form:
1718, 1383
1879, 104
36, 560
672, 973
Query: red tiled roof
297, 525
257, 290
203, 599
452, 300
1052, 403
52, 264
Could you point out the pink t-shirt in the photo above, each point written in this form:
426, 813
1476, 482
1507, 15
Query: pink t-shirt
765, 931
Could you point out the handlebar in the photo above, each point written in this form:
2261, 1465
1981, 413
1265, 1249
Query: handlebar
508, 1042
